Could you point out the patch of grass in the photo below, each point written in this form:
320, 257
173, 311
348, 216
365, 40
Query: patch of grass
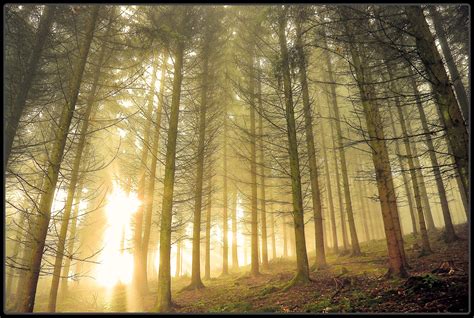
233, 307
323, 305
269, 309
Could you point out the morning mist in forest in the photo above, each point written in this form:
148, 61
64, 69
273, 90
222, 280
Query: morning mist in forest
236, 158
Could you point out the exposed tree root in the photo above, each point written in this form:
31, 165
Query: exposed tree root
194, 286
299, 279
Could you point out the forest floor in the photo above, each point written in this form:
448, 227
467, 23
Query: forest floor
349, 284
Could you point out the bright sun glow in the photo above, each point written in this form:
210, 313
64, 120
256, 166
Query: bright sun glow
117, 265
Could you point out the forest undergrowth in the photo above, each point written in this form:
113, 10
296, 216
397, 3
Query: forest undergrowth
437, 283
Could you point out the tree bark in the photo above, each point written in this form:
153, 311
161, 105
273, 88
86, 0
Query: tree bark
263, 202
401, 159
44, 214
207, 266
225, 247
342, 157
320, 261
163, 302
151, 184
139, 282
381, 162
332, 214
70, 245
254, 263
302, 274
196, 282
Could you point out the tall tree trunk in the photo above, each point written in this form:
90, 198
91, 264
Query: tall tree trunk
345, 239
372, 226
44, 214
450, 234
362, 207
235, 257
207, 266
272, 225
332, 214
254, 264
345, 179
424, 194
448, 56
151, 184
196, 281
381, 162
178, 259
401, 159
73, 182
263, 202
225, 247
444, 97
426, 249
302, 274
70, 245
27, 240
18, 107
163, 302
139, 269
320, 261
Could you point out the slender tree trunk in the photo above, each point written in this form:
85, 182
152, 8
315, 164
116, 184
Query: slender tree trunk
27, 242
345, 179
451, 115
365, 213
139, 282
263, 202
207, 267
332, 214
401, 159
372, 222
18, 107
151, 184
254, 267
302, 274
426, 249
320, 261
27, 303
196, 282
225, 247
73, 182
70, 245
273, 237
163, 302
382, 167
424, 194
345, 239
362, 208
450, 234
453, 70
235, 257
178, 259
